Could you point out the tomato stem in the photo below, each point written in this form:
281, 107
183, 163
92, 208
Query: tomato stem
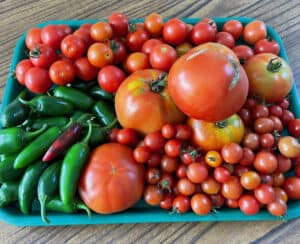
221, 124
274, 65
160, 84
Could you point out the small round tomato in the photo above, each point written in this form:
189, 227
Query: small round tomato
265, 162
149, 45
181, 204
217, 200
181, 171
168, 131
266, 140
137, 61
275, 110
232, 153
287, 117
153, 176
248, 157
167, 182
213, 158
289, 146
84, 33
154, 24
110, 78
119, 23
101, 31
284, 103
167, 201
62, 72
243, 52
211, 22
84, 70
174, 31
154, 140
278, 179
52, 35
196, 172
248, 204
225, 38
72, 47
33, 38
202, 33
277, 208
284, 164
210, 186
234, 27
42, 56
100, 55
186, 187
183, 48
162, 57
221, 174
142, 154
37, 80
260, 111
266, 45
66, 29
294, 127
292, 187
263, 125
265, 194
135, 40
232, 189
201, 204
153, 195
22, 67
127, 136
250, 180
119, 51
280, 194
154, 159
254, 31
173, 147
183, 132
169, 164
278, 126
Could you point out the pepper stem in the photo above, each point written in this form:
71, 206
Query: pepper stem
274, 65
43, 210
88, 135
81, 205
30, 135
158, 85
27, 103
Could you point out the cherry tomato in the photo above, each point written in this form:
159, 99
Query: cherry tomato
100, 55
127, 136
211, 22
168, 131
217, 200
33, 38
265, 194
149, 45
196, 172
186, 187
266, 179
66, 29
287, 117
119, 23
232, 153
62, 72
277, 208
112, 135
240, 169
294, 127
119, 51
73, 47
263, 125
42, 56
22, 67
280, 194
135, 40
154, 159
234, 27
265, 162
284, 164
84, 33
283, 103
183, 132
166, 182
278, 179
232, 203
292, 187
174, 31
153, 195
213, 158
172, 147
243, 52
225, 38
248, 157
203, 32
142, 154
155, 141
250, 103
275, 110
110, 78
266, 140
254, 31
278, 126
251, 140
221, 174
101, 31
181, 204
260, 111
181, 171
248, 204
84, 70
37, 80
250, 180
52, 35
266, 46
162, 57
297, 170
201, 204
210, 186
153, 176
167, 201
289, 146
246, 116
136, 61
154, 24
232, 189
169, 164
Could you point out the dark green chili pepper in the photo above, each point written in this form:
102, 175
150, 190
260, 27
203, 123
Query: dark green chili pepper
49, 121
49, 105
98, 93
8, 193
77, 114
14, 113
84, 118
48, 187
7, 170
58, 205
28, 186
38, 146
72, 165
13, 139
104, 112
83, 86
79, 99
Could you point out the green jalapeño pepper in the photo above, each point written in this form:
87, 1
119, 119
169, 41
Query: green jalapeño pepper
38, 123
72, 166
8, 193
97, 93
82, 85
104, 112
13, 139
8, 172
15, 112
49, 105
79, 99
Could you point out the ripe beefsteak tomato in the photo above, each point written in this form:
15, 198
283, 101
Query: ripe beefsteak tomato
214, 135
112, 180
208, 83
142, 102
270, 77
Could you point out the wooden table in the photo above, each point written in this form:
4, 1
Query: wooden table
17, 16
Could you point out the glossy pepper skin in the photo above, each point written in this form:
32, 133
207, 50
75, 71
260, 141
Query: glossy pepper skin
48, 187
7, 171
15, 113
28, 186
79, 99
49, 105
72, 166
104, 112
98, 93
38, 123
8, 193
13, 139
83, 86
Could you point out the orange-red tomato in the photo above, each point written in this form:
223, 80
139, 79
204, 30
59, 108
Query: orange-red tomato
254, 31
208, 83
100, 55
142, 102
112, 180
101, 31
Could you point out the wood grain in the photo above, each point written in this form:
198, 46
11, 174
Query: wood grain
18, 16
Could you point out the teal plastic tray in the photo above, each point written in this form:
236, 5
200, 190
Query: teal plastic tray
140, 213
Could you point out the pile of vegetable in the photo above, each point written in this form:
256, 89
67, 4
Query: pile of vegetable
186, 117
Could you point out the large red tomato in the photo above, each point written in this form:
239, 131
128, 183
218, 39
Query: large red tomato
112, 180
142, 102
208, 83
270, 77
